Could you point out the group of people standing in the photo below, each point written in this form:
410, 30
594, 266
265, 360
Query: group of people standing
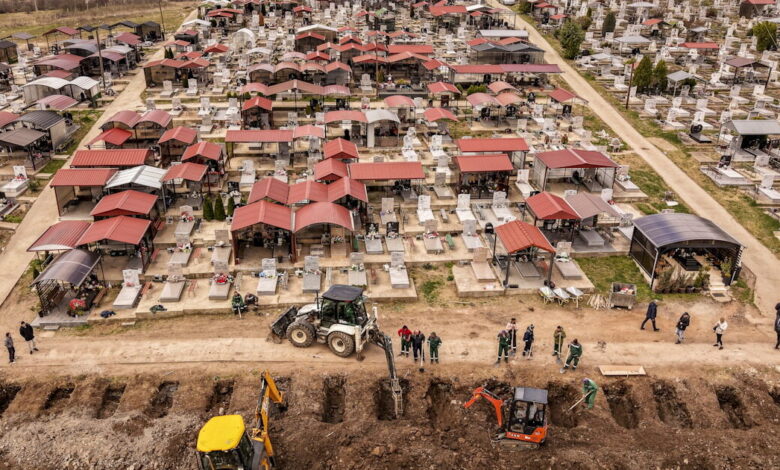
27, 333
685, 321
415, 340
507, 344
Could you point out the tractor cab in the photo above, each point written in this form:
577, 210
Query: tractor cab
527, 416
223, 444
342, 304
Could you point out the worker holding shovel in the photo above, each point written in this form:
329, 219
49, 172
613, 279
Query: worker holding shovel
433, 343
504, 342
575, 352
558, 337
589, 390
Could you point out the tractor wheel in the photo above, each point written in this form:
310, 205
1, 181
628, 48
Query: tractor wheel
341, 344
301, 334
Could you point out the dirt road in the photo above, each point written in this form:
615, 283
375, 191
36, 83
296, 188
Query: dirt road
14, 259
760, 259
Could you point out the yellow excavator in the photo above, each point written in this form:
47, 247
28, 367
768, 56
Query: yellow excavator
224, 443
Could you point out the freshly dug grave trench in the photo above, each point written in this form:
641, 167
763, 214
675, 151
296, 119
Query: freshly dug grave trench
162, 400
7, 394
560, 397
732, 406
775, 394
110, 402
384, 405
440, 409
671, 410
334, 399
56, 401
622, 404
220, 397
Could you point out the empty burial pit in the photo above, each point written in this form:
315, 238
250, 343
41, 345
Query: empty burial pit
7, 394
384, 405
58, 398
775, 394
440, 411
334, 399
162, 400
671, 410
622, 404
110, 402
732, 406
220, 397
561, 397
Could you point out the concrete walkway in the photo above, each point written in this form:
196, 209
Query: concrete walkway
14, 259
757, 256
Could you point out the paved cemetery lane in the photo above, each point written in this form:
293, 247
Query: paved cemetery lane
756, 256
43, 213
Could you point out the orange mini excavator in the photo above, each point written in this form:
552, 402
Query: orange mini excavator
524, 421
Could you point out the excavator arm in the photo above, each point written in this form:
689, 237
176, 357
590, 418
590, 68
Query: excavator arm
383, 341
498, 404
268, 393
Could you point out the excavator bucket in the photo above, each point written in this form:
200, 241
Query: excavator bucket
279, 326
383, 341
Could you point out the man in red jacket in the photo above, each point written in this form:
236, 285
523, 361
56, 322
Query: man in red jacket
406, 340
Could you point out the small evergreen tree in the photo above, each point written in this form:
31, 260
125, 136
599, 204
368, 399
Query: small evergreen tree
231, 206
609, 23
571, 37
524, 8
643, 75
766, 35
584, 22
208, 209
219, 209
660, 82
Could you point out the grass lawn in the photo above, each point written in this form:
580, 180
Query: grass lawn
53, 166
603, 271
86, 119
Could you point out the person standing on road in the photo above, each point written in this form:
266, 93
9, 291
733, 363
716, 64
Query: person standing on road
417, 343
406, 337
528, 339
503, 346
433, 345
719, 329
777, 329
558, 338
511, 328
589, 389
9, 344
575, 352
652, 311
26, 330
682, 324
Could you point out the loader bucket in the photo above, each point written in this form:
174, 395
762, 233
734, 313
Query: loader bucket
279, 326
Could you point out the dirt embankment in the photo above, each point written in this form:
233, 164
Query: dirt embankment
341, 421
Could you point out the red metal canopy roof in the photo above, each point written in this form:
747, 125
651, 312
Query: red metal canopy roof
7, 118
575, 158
114, 136
383, 171
548, 206
262, 212
493, 145
58, 102
269, 187
434, 114
258, 102
309, 131
560, 95
181, 134
122, 229
347, 187
204, 149
442, 87
340, 148
482, 99
128, 202
354, 115
126, 117
110, 157
398, 101
60, 236
128, 38
188, 171
518, 236
323, 213
700, 45
260, 136
307, 191
330, 169
483, 163
82, 177
414, 48
157, 116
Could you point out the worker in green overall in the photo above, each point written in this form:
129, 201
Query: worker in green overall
558, 338
504, 344
433, 343
575, 351
589, 389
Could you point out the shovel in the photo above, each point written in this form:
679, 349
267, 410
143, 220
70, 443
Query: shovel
422, 360
577, 403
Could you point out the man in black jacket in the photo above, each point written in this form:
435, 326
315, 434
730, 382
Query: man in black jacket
652, 312
26, 330
528, 338
682, 324
418, 339
777, 329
